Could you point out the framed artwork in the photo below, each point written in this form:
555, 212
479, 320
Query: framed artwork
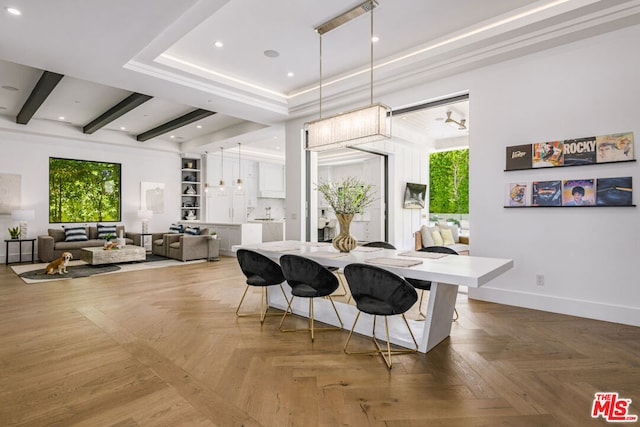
152, 197
10, 192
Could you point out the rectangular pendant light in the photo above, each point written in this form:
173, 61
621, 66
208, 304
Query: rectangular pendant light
359, 126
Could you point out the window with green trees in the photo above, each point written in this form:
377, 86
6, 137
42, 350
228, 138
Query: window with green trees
83, 191
449, 182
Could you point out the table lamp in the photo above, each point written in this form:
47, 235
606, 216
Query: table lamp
145, 216
23, 215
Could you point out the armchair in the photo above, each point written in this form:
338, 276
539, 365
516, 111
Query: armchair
186, 247
159, 244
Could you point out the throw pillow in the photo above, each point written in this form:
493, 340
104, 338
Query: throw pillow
447, 236
454, 231
175, 229
425, 234
104, 229
75, 234
437, 238
192, 231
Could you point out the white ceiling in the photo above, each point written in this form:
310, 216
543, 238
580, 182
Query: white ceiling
164, 48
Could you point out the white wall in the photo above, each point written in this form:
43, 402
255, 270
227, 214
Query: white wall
28, 155
587, 256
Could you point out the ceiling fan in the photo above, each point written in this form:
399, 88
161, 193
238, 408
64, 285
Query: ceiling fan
460, 125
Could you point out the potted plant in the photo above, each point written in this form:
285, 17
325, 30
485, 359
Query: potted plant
214, 235
347, 197
14, 232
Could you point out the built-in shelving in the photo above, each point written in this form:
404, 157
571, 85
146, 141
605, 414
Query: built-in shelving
191, 189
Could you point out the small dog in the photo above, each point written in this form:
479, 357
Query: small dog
59, 265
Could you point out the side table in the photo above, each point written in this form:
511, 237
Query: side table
214, 249
19, 241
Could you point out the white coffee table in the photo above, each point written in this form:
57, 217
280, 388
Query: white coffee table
97, 255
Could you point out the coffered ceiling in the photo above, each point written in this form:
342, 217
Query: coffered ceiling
267, 70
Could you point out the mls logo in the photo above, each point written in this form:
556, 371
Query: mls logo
613, 409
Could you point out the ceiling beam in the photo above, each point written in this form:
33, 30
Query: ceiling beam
123, 107
39, 94
191, 117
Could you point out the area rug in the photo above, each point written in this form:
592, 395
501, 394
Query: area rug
34, 273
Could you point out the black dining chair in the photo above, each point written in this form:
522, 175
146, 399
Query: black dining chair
263, 272
308, 279
383, 245
425, 285
379, 292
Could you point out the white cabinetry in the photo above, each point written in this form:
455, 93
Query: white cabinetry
271, 182
230, 205
191, 189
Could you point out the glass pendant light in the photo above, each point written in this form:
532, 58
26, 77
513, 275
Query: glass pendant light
221, 184
239, 181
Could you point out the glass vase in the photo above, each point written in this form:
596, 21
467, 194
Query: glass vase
344, 242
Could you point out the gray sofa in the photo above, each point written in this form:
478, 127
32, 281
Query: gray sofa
52, 245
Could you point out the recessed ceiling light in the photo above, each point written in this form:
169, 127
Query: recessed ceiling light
269, 53
199, 126
218, 43
375, 39
172, 136
289, 74
277, 148
14, 11
123, 128
10, 88
61, 118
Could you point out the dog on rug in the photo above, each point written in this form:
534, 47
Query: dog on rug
59, 266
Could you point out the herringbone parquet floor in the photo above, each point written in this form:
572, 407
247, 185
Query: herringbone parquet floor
163, 348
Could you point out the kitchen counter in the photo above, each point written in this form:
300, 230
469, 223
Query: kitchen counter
272, 230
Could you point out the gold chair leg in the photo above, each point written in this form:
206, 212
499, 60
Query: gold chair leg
264, 304
311, 327
379, 350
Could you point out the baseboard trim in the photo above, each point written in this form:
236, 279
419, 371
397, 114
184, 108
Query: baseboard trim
625, 315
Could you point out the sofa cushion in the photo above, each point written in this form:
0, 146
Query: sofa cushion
447, 236
57, 234
437, 238
175, 228
452, 228
192, 230
75, 234
425, 234
104, 229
